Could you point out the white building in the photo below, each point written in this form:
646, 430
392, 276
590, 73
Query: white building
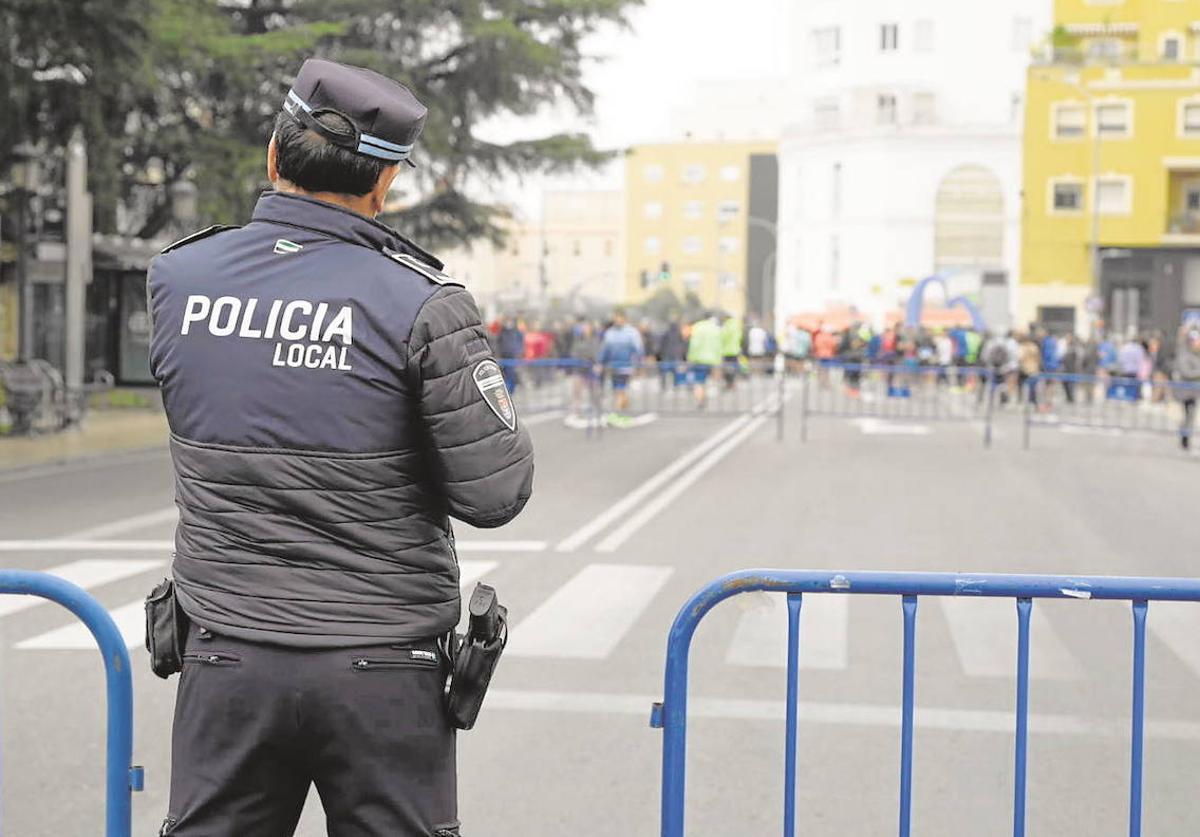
905, 157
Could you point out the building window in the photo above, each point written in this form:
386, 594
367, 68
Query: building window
885, 109
1171, 47
693, 173
653, 173
653, 209
1022, 34
731, 174
1105, 49
1070, 121
923, 38
693, 210
826, 46
924, 109
692, 245
889, 37
1113, 119
1189, 119
1066, 196
1113, 195
826, 115
728, 210
727, 281
693, 280
653, 245
729, 244
577, 248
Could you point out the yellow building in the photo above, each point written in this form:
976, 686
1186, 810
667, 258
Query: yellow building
700, 218
1112, 168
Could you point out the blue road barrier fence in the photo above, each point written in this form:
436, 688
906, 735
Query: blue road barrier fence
1108, 403
594, 396
671, 715
122, 777
898, 392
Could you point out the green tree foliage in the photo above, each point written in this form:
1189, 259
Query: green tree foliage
189, 88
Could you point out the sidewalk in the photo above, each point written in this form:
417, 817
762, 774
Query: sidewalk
102, 432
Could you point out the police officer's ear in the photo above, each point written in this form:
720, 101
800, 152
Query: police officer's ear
379, 194
272, 161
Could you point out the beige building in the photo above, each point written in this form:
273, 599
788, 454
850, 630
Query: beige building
574, 253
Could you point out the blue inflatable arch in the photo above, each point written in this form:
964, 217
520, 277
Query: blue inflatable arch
916, 303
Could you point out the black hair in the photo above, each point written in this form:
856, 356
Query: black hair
315, 164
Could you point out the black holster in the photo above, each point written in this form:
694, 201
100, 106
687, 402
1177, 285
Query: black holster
166, 630
474, 656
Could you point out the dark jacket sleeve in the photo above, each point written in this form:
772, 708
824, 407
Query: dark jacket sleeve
485, 466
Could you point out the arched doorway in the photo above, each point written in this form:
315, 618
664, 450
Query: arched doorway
968, 221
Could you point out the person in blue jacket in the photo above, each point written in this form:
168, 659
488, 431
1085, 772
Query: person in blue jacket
621, 351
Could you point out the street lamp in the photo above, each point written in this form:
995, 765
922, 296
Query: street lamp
24, 172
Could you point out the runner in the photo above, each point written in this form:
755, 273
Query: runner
620, 352
704, 352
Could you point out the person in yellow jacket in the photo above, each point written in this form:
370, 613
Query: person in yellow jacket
705, 350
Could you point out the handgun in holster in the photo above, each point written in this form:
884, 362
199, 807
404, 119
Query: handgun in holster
474, 656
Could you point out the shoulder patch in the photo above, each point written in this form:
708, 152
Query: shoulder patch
489, 380
196, 236
426, 270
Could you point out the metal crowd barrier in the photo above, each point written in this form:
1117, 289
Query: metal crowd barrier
898, 392
671, 714
1108, 402
122, 777
588, 391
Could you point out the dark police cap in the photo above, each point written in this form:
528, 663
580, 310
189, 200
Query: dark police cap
386, 116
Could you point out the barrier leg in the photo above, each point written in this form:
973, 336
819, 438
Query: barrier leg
909, 605
793, 712
781, 375
121, 777
1024, 610
990, 413
805, 378
1139, 717
1028, 424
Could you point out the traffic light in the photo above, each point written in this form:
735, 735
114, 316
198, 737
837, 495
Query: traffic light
664, 273
645, 278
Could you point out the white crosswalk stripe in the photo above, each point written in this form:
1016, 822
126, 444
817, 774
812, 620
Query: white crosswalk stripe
589, 615
984, 631
760, 638
88, 573
130, 619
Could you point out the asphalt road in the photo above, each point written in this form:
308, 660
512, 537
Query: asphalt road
620, 532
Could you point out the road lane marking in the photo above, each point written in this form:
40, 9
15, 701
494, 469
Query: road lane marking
984, 632
130, 619
632, 500
760, 638
1177, 625
839, 714
125, 525
88, 573
887, 427
471, 571
542, 418
648, 510
590, 614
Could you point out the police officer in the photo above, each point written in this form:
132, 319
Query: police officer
333, 402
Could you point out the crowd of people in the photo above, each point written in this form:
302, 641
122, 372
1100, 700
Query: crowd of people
692, 352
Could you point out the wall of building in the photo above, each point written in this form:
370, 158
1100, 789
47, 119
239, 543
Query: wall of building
896, 100
687, 206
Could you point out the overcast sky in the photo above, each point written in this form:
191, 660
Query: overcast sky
671, 47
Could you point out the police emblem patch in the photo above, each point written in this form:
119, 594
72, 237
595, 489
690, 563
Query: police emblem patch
490, 382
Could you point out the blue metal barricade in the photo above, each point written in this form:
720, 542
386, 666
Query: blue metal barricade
671, 714
903, 392
1109, 403
121, 776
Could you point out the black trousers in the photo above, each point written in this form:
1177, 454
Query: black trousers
256, 725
